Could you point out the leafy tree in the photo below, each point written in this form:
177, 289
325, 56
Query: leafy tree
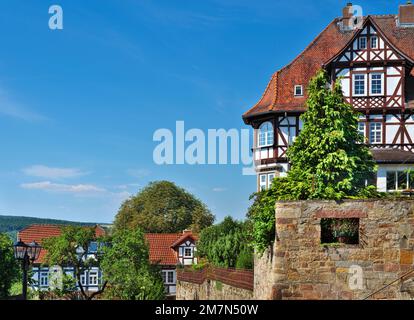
328, 159
223, 244
9, 268
127, 268
71, 249
163, 207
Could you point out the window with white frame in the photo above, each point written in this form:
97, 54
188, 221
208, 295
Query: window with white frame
270, 178
298, 90
375, 132
376, 83
262, 182
361, 128
374, 42
93, 278
400, 180
188, 252
168, 276
362, 43
44, 279
265, 136
265, 180
359, 84
83, 279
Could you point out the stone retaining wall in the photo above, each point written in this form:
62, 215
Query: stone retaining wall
299, 267
214, 284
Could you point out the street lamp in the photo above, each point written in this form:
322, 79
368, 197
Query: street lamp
26, 253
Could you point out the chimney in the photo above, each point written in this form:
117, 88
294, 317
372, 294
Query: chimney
406, 14
347, 14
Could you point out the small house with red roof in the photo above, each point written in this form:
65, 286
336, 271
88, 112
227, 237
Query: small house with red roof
169, 250
91, 279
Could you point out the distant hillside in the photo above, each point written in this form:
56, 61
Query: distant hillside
11, 225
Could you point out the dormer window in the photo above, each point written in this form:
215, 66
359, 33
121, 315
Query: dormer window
298, 90
265, 137
374, 42
188, 252
362, 43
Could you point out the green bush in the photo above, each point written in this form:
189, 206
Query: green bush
9, 268
221, 244
245, 260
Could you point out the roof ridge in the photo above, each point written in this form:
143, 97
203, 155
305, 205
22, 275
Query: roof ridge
276, 88
162, 233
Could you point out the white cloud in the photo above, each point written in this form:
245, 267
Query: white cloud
11, 108
52, 173
63, 188
138, 173
127, 186
218, 189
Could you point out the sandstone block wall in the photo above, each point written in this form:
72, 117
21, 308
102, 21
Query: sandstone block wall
299, 267
213, 283
211, 290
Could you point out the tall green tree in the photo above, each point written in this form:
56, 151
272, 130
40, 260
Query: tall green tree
329, 159
9, 268
163, 207
71, 249
127, 268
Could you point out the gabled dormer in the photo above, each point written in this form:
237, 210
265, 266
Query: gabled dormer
372, 70
368, 45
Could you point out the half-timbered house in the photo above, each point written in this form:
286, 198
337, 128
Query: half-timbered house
42, 274
168, 250
373, 57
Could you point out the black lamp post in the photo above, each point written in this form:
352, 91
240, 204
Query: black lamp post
26, 253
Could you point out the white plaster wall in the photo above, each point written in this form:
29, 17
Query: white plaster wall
392, 84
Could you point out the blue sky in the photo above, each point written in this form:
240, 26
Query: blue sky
78, 107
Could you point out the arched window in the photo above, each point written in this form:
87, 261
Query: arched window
265, 137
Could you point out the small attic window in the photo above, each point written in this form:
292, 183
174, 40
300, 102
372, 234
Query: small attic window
298, 90
374, 42
362, 43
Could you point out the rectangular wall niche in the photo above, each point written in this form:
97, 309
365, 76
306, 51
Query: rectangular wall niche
340, 230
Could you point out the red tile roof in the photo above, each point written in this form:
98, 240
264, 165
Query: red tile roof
185, 235
161, 246
39, 232
279, 97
